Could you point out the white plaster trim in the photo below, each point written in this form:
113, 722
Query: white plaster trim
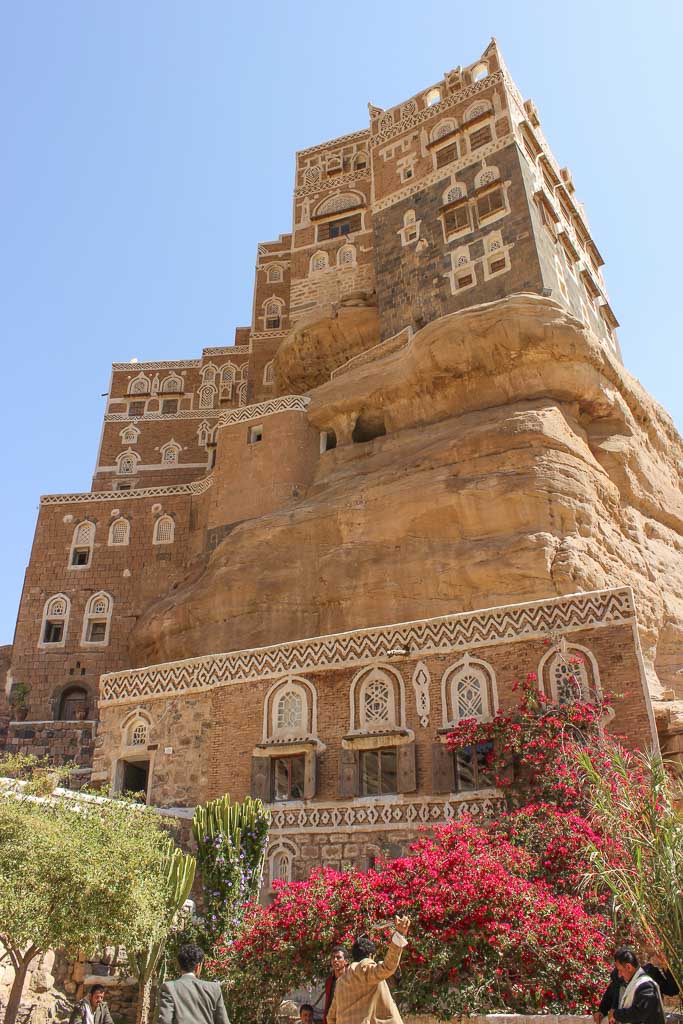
568, 648
311, 710
88, 615
490, 703
64, 619
286, 403
196, 487
462, 631
399, 712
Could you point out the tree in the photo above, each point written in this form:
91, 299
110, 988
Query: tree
78, 874
231, 848
633, 797
178, 869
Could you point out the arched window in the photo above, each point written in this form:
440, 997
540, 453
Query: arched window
455, 192
319, 261
137, 733
82, 544
338, 204
269, 373
203, 432
55, 620
208, 373
468, 690
172, 384
377, 701
207, 396
129, 435
479, 71
568, 679
140, 385
289, 710
164, 530
170, 454
486, 177
273, 314
274, 274
346, 257
97, 619
360, 161
432, 97
119, 533
477, 110
290, 713
127, 463
443, 128
280, 863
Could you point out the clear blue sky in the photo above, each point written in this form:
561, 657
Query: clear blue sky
148, 147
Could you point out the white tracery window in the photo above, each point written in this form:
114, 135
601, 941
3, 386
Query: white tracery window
290, 707
119, 532
337, 204
208, 373
269, 373
443, 128
274, 274
454, 193
280, 863
346, 256
170, 454
97, 619
468, 690
172, 384
55, 620
432, 97
273, 314
164, 530
568, 679
140, 385
129, 435
82, 545
485, 177
319, 261
127, 463
207, 396
476, 110
377, 701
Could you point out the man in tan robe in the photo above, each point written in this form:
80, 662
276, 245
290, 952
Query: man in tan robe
362, 995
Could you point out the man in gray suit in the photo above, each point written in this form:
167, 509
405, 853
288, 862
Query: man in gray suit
189, 1000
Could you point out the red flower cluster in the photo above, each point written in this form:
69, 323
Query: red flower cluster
488, 933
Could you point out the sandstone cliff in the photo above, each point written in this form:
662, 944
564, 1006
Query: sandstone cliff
520, 461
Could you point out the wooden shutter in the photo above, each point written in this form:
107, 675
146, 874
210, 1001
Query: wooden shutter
405, 768
349, 772
261, 779
310, 774
443, 769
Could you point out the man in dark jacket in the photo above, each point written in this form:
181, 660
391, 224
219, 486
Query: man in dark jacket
189, 1000
639, 1000
610, 1000
92, 1009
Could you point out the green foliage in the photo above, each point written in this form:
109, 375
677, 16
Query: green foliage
633, 798
40, 776
231, 847
18, 695
80, 875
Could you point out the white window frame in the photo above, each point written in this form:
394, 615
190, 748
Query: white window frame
89, 617
164, 518
64, 619
449, 680
121, 520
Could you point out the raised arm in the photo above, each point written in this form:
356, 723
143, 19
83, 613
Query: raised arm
375, 973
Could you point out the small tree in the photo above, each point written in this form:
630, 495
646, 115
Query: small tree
78, 874
633, 798
231, 848
178, 869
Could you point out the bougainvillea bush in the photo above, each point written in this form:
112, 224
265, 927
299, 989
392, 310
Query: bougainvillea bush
501, 922
487, 935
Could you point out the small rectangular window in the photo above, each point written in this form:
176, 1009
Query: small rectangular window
54, 631
457, 219
472, 770
497, 265
124, 487
490, 202
378, 772
337, 228
447, 154
97, 632
136, 408
288, 777
169, 406
465, 280
80, 556
480, 137
255, 435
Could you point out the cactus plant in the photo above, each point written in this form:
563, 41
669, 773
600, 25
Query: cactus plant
231, 847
